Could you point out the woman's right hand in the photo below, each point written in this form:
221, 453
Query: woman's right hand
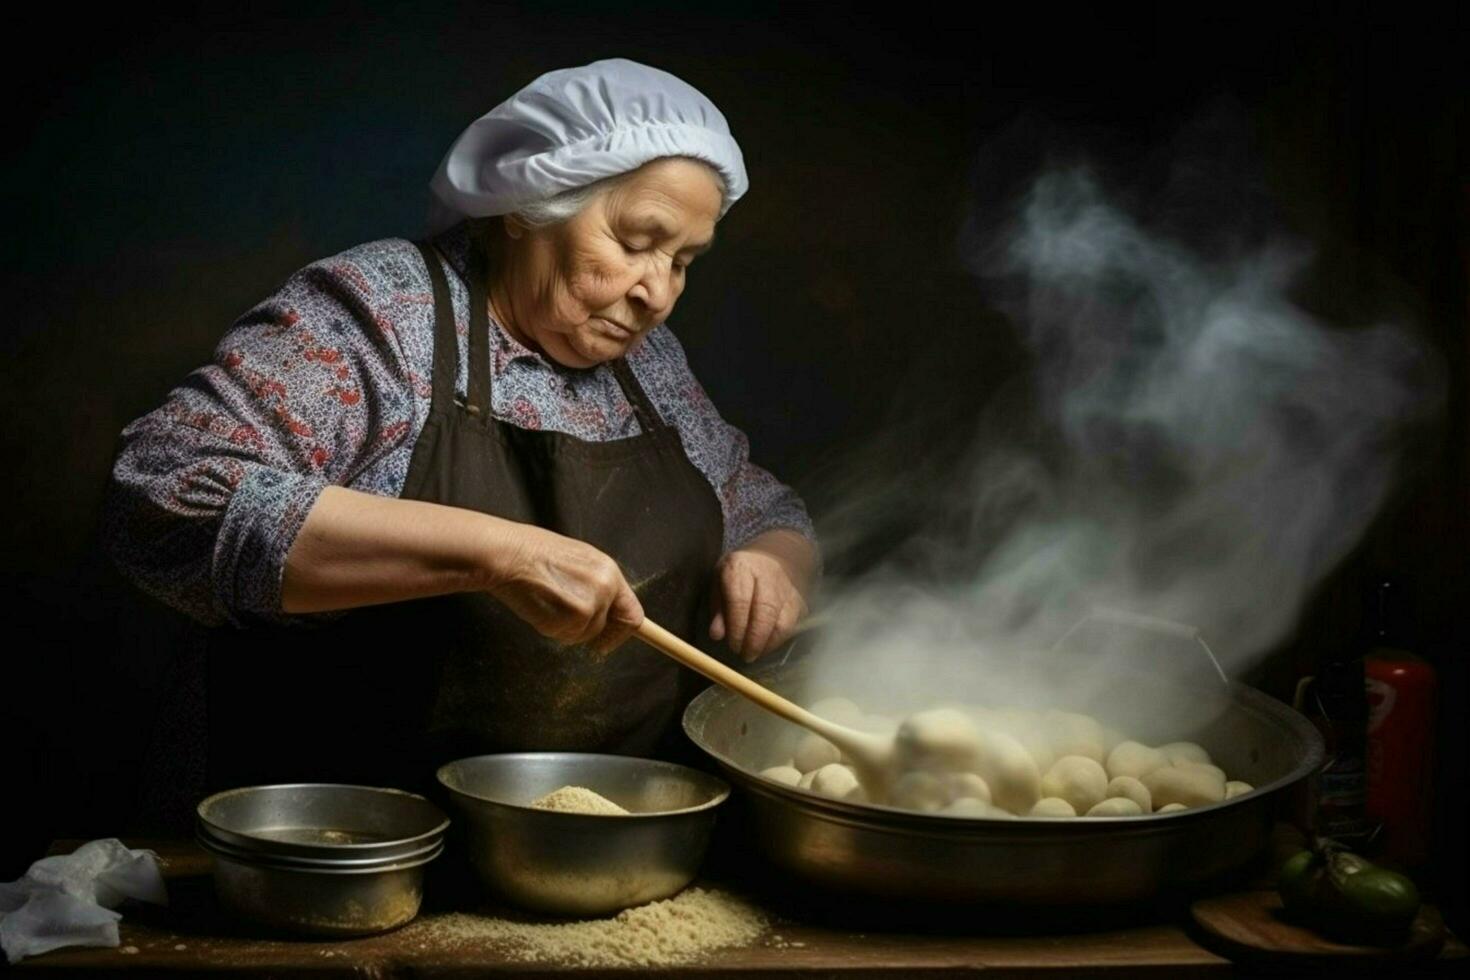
564, 588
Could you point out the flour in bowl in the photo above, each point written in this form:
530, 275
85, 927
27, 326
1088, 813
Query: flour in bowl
578, 799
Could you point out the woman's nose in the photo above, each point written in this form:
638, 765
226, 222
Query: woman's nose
654, 291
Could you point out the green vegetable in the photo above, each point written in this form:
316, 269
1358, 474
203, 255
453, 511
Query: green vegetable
1297, 880
1380, 902
1345, 896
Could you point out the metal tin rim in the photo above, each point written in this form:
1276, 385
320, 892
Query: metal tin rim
277, 863
722, 788
252, 843
206, 838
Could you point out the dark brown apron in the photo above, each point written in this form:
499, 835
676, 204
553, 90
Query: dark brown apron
387, 693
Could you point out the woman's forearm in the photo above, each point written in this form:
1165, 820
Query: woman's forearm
359, 549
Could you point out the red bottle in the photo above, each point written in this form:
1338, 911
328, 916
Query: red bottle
1401, 715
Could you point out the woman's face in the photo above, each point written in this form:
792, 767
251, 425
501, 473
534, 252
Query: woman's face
587, 290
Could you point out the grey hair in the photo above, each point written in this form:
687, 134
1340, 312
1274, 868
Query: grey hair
568, 204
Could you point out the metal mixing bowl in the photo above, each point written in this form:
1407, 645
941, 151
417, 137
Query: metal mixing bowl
321, 859
583, 864
893, 854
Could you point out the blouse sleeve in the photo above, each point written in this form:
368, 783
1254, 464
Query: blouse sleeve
209, 490
753, 501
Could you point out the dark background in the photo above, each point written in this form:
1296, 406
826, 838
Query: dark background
169, 168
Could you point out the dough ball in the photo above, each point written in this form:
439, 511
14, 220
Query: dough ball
918, 791
1177, 752
965, 785
834, 780
1118, 806
1213, 769
806, 779
1134, 759
982, 717
939, 740
1079, 780
785, 775
1039, 747
878, 725
1074, 734
1236, 788
1009, 771
813, 752
839, 710
1171, 808
969, 806
1190, 785
1053, 806
1015, 722
1129, 788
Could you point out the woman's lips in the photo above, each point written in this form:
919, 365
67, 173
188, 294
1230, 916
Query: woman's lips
618, 330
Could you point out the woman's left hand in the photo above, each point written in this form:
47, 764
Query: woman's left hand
759, 587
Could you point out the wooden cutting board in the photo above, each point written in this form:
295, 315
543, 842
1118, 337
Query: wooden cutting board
1251, 926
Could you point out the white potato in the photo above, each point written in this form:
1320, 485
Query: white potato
1236, 788
1079, 780
1009, 771
1117, 806
1177, 752
813, 752
963, 785
843, 711
786, 775
918, 790
1053, 806
1134, 759
1171, 808
1190, 785
938, 740
834, 780
1071, 733
1131, 789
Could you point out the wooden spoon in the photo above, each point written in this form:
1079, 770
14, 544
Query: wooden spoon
871, 754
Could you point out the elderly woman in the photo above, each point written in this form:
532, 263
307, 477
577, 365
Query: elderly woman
428, 489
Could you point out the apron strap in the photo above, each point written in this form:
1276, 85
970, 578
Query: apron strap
648, 417
478, 396
446, 345
446, 341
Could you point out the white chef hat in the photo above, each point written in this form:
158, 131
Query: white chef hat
573, 126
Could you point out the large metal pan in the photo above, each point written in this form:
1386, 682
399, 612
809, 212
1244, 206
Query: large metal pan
886, 853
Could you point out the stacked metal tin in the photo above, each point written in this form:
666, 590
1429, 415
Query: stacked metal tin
318, 858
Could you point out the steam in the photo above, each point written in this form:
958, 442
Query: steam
1196, 448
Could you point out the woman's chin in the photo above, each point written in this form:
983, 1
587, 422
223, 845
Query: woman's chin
590, 352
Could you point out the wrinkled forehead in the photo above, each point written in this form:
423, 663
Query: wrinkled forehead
686, 196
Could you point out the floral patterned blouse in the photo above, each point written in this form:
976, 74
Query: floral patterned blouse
328, 382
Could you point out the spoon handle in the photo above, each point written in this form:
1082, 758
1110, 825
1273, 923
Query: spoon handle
699, 661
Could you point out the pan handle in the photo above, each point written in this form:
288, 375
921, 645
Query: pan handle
1168, 627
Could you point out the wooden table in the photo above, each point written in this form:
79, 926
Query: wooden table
190, 937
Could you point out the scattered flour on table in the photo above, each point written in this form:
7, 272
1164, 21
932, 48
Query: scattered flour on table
676, 930
578, 799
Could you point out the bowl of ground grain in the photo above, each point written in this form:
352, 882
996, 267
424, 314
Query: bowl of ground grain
577, 834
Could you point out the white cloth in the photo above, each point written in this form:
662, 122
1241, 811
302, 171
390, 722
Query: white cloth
67, 899
573, 126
